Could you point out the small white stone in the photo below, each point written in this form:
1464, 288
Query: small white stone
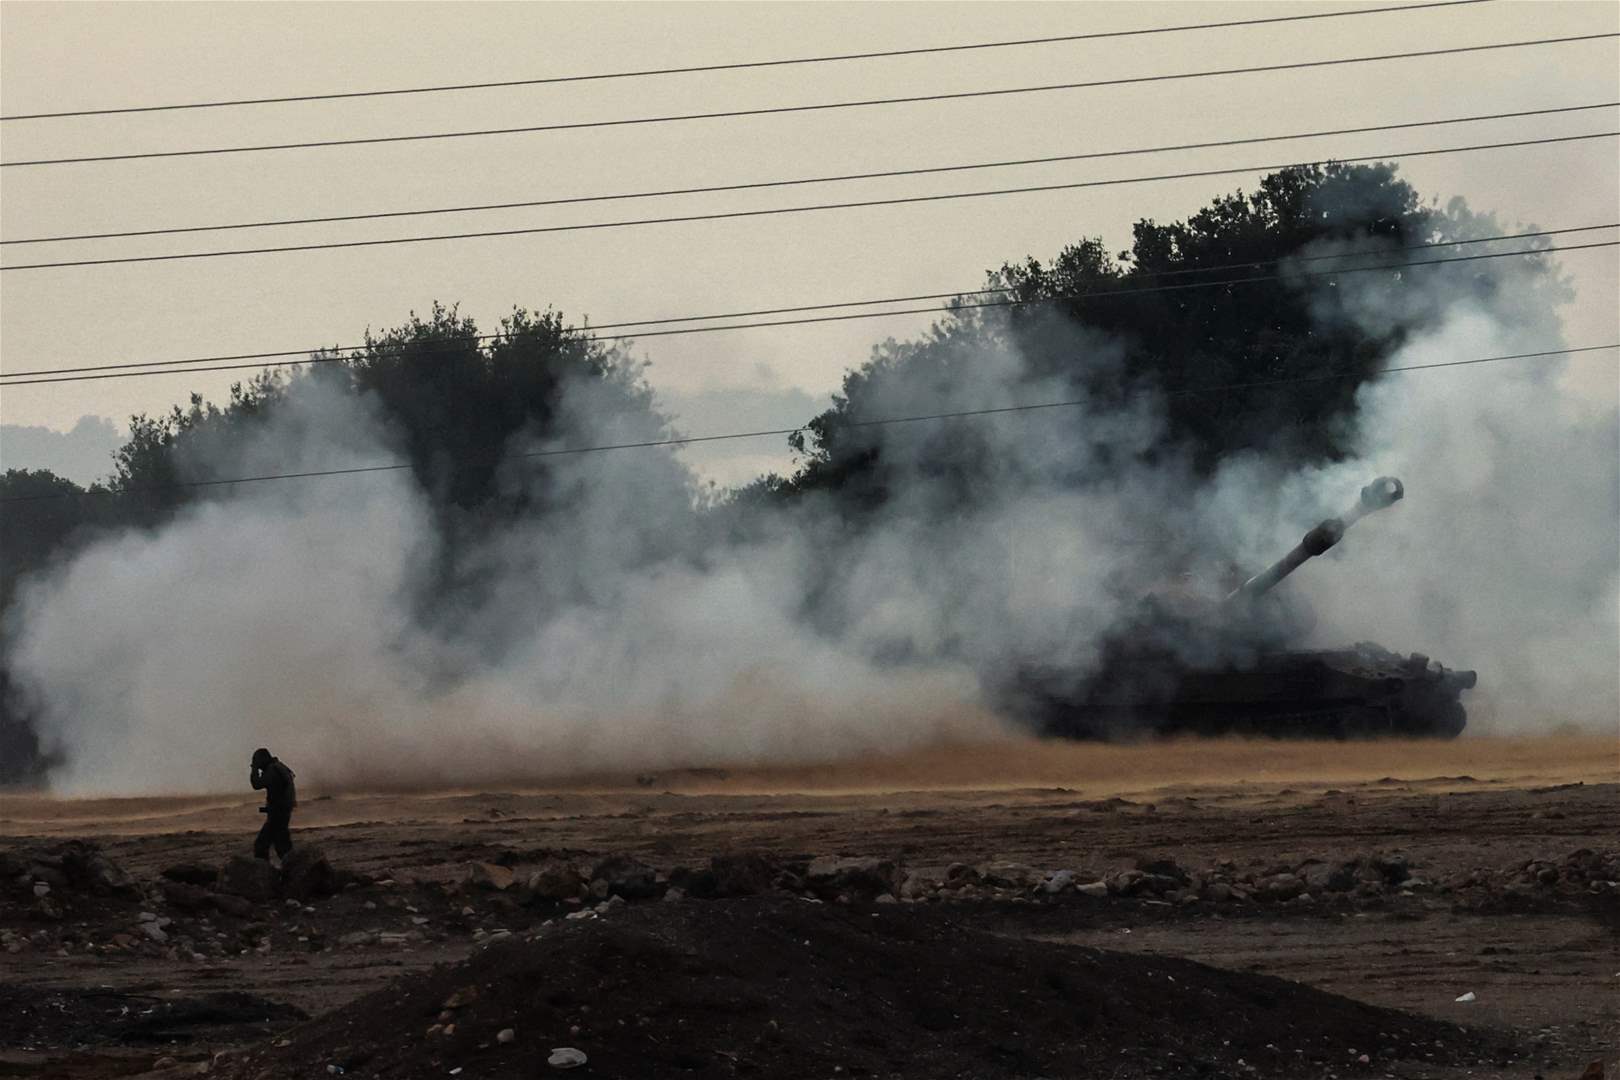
566, 1057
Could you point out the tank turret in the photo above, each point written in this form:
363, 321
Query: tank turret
1223, 671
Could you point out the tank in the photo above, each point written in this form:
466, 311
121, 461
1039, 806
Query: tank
1182, 665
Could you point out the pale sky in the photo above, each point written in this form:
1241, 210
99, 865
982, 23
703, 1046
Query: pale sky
56, 56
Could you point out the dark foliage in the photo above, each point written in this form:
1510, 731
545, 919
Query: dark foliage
1267, 327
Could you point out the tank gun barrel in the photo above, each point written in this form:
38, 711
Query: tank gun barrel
1382, 492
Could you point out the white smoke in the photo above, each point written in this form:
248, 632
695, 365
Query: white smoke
625, 629
1504, 556
287, 614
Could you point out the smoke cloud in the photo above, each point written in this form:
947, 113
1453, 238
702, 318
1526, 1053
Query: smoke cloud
627, 626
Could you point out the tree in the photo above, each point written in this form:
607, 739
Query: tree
459, 400
1266, 324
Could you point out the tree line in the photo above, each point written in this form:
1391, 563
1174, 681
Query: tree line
456, 398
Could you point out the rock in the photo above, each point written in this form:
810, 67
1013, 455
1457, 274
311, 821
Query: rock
505, 1035
87, 868
1093, 889
44, 869
1063, 879
1163, 867
191, 874
186, 897
626, 877
1126, 882
915, 887
1009, 875
234, 906
742, 874
1468, 997
306, 874
566, 1057
700, 883
1280, 886
1218, 891
485, 875
41, 889
251, 879
1159, 884
1393, 868
862, 878
959, 874
358, 937
155, 932
554, 880
461, 998
1321, 877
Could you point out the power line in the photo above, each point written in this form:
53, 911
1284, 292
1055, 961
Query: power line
883, 422
815, 207
1213, 268
694, 69
819, 106
592, 333
801, 181
851, 317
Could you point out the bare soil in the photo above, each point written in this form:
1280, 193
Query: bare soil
984, 980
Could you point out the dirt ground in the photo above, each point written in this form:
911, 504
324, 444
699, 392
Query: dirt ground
1400, 876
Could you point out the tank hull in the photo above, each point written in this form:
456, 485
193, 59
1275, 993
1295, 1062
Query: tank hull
1361, 692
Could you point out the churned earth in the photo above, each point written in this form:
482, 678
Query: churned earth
1186, 909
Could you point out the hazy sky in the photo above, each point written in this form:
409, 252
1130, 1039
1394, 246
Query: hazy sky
63, 56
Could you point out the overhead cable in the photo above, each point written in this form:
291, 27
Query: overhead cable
951, 295
334, 357
880, 422
742, 65
801, 181
816, 207
776, 110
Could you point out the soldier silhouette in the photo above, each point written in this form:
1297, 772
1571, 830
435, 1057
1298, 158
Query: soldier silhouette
271, 775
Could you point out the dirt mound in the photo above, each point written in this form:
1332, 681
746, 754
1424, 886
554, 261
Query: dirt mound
32, 1018
791, 988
